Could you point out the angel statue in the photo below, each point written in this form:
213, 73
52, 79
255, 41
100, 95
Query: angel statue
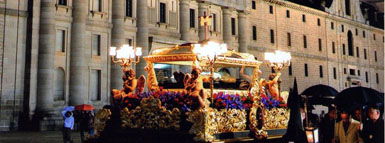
194, 86
130, 83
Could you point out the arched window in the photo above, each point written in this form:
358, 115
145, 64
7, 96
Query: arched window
347, 7
59, 84
350, 43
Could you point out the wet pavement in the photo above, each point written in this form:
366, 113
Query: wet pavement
36, 137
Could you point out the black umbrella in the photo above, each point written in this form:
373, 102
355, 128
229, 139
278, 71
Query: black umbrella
358, 97
320, 95
320, 90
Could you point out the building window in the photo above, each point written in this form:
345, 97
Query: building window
352, 72
129, 8
342, 28
332, 25
253, 4
59, 84
291, 69
356, 32
366, 77
129, 42
288, 39
303, 18
95, 85
321, 75
306, 72
320, 44
254, 32
271, 36
334, 73
233, 26
162, 12
344, 70
350, 44
377, 81
375, 56
214, 22
271, 9
347, 7
304, 41
357, 52
363, 34
60, 41
318, 22
365, 54
374, 36
343, 49
358, 72
287, 13
96, 45
333, 47
62, 2
192, 18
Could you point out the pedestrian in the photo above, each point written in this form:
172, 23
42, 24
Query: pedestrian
68, 126
373, 129
322, 115
90, 123
327, 124
347, 130
357, 115
83, 125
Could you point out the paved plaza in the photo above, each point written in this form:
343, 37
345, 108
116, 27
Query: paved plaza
36, 137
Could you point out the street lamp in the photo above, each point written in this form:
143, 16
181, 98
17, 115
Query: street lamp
278, 60
209, 52
125, 55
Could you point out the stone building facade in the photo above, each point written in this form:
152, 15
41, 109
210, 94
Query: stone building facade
54, 53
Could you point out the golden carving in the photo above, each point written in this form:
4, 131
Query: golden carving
276, 118
204, 124
102, 116
258, 130
231, 120
194, 86
151, 115
152, 83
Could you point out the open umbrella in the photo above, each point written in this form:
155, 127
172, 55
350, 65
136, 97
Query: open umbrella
66, 109
320, 94
358, 97
84, 107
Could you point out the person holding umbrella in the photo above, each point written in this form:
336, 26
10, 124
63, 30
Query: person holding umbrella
327, 125
68, 126
373, 129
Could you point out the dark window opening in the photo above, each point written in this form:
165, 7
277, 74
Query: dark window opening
162, 12
352, 72
344, 70
363, 34
347, 7
62, 2
375, 56
321, 75
365, 54
332, 25
374, 36
357, 52
334, 73
253, 4
350, 43
192, 18
377, 80
303, 18
359, 72
356, 32
304, 41
343, 49
342, 28
254, 32
318, 22
366, 77
214, 22
233, 26
290, 69
271, 9
129, 8
306, 71
271, 36
333, 47
320, 44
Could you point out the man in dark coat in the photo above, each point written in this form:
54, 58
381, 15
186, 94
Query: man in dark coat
327, 125
373, 129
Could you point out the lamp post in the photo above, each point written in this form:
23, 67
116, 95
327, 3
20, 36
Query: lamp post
209, 52
125, 56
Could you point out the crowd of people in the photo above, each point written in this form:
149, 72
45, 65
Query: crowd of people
82, 121
342, 126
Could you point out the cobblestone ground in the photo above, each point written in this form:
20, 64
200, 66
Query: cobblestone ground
36, 137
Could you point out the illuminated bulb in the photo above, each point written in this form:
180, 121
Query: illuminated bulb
138, 51
112, 51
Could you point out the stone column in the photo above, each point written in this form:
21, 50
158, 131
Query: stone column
117, 40
242, 32
45, 74
142, 34
78, 65
185, 20
227, 37
202, 7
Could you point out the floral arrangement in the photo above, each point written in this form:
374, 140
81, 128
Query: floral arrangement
269, 102
231, 101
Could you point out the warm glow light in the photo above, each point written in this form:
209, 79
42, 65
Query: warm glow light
278, 57
138, 51
112, 51
210, 50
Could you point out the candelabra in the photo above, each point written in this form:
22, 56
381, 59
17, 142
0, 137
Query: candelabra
125, 55
278, 60
209, 52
